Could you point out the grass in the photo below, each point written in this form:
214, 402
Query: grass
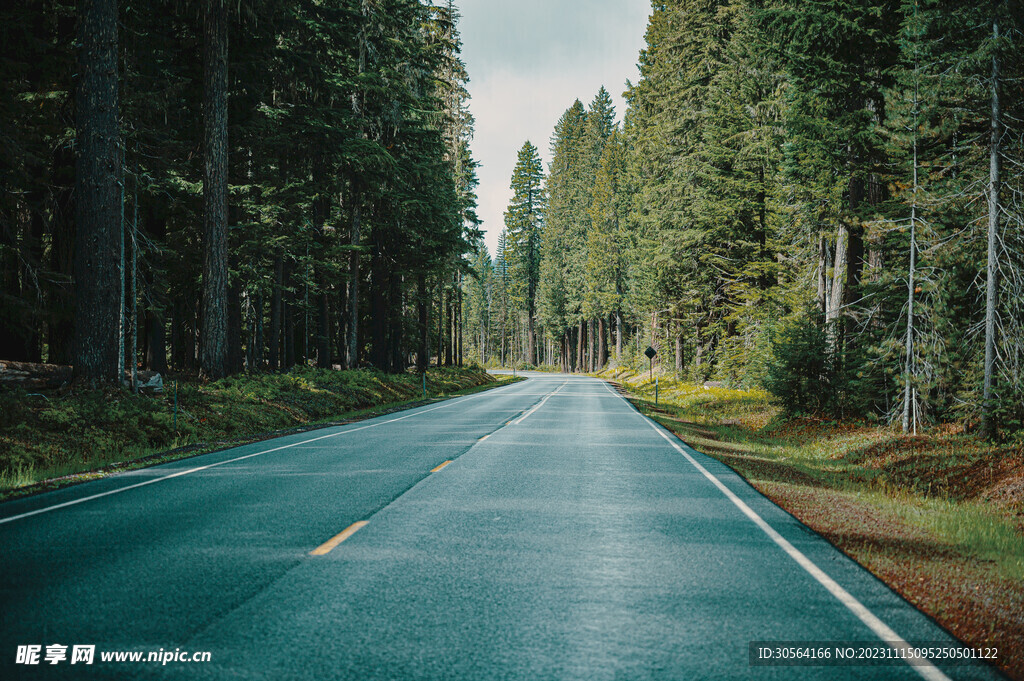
938, 516
69, 437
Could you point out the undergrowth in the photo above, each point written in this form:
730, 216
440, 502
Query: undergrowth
962, 490
62, 433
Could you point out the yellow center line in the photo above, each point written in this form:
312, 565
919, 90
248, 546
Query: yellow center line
439, 467
327, 546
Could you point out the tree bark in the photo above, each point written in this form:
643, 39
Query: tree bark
822, 296
458, 312
213, 345
679, 350
29, 375
396, 357
288, 322
908, 394
440, 326
256, 344
989, 426
531, 356
580, 347
423, 312
276, 313
618, 335
590, 345
351, 359
449, 348
97, 206
378, 308
835, 304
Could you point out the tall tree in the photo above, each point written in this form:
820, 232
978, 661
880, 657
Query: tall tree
214, 325
524, 221
98, 203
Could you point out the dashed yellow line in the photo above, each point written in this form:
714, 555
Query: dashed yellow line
439, 467
328, 545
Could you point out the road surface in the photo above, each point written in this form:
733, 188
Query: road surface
568, 538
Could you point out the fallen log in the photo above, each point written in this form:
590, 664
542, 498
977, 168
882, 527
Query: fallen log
29, 375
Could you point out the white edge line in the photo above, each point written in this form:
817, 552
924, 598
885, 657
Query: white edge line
926, 669
74, 502
539, 404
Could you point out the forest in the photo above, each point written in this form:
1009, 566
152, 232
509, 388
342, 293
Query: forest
216, 187
821, 198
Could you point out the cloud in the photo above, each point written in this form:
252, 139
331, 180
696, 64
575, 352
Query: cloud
528, 61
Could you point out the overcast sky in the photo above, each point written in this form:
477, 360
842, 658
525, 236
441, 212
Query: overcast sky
528, 60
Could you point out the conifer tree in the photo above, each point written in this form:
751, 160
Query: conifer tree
524, 221
98, 205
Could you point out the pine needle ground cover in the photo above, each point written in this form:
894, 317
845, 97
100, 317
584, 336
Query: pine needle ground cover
59, 438
937, 516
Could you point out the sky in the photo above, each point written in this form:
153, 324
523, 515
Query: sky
528, 60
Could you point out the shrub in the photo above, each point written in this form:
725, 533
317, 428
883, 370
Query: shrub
802, 374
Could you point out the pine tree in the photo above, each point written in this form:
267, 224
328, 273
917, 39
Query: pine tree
524, 220
566, 219
214, 342
608, 238
98, 201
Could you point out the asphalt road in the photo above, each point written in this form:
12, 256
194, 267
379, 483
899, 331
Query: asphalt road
569, 538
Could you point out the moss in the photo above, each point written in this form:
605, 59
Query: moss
66, 433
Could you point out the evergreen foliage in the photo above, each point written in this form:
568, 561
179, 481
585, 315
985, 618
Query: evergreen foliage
339, 191
819, 197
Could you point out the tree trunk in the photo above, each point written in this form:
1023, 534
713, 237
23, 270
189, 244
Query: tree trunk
351, 359
341, 341
274, 357
679, 350
992, 265
449, 345
440, 325
531, 345
235, 359
618, 335
288, 330
256, 346
698, 350
97, 206
30, 375
590, 345
459, 313
378, 306
60, 324
566, 364
835, 304
580, 347
133, 297
320, 210
396, 359
822, 296
61, 327
423, 312
908, 394
214, 341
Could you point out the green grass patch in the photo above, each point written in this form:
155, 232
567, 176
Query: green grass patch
68, 434
961, 490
